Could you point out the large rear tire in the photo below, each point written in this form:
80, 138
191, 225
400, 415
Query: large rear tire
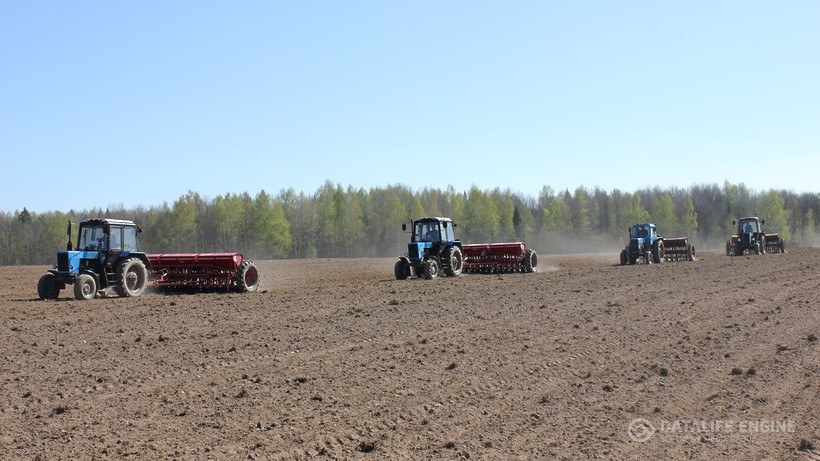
247, 277
454, 262
690, 254
530, 261
658, 253
132, 278
624, 258
85, 287
48, 287
729, 248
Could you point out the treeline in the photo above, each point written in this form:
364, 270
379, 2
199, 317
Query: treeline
348, 222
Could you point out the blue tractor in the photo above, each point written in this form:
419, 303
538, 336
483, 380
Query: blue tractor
106, 257
645, 243
433, 250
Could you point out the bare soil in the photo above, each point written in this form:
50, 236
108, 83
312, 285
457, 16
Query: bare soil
334, 359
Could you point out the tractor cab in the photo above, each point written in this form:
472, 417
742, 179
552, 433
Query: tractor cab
107, 234
433, 230
642, 231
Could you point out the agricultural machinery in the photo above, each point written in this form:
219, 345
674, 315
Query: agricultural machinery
644, 242
434, 249
107, 258
751, 238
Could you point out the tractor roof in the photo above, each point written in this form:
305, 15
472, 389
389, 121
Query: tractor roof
434, 219
120, 222
755, 218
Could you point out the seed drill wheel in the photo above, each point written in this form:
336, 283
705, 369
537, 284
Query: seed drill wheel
454, 262
48, 287
247, 277
132, 278
401, 269
85, 287
530, 261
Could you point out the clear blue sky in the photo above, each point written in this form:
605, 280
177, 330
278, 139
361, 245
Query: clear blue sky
135, 103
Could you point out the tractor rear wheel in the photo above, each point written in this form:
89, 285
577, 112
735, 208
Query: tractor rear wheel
85, 287
658, 252
454, 262
690, 253
757, 248
624, 258
729, 249
401, 269
132, 278
247, 277
530, 261
48, 287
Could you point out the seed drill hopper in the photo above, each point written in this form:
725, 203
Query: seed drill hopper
495, 258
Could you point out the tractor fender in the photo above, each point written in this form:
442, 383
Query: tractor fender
141, 256
61, 278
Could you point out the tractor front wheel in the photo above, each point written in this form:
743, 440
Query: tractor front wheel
401, 269
430, 270
85, 287
48, 287
132, 278
247, 277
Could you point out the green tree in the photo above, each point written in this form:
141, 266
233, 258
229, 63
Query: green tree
664, 216
770, 208
557, 217
270, 227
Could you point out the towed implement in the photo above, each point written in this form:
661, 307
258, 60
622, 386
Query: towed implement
203, 271
107, 258
495, 258
678, 249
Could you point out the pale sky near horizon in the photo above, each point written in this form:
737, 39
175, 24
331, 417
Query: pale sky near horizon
136, 103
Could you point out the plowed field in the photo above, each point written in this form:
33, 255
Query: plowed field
334, 359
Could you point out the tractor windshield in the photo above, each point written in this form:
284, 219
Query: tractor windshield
426, 231
91, 238
749, 226
639, 231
